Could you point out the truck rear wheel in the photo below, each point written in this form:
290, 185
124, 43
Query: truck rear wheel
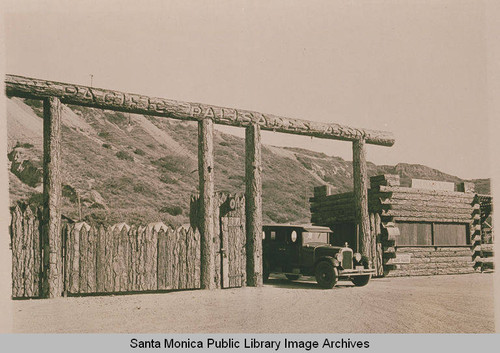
360, 281
325, 273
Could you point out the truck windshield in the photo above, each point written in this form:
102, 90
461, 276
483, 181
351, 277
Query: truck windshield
310, 237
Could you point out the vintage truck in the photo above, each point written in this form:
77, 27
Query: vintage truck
306, 250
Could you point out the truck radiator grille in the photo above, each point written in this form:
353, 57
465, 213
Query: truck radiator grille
347, 259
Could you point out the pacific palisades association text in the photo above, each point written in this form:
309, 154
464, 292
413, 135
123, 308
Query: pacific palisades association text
252, 343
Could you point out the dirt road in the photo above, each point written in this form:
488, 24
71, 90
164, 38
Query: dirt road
461, 303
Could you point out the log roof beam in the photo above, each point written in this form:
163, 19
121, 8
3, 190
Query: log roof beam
19, 86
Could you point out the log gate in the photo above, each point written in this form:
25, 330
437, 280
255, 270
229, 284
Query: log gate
54, 93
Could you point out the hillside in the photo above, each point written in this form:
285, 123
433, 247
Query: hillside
139, 169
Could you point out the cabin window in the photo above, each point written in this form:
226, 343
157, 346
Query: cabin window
450, 234
412, 233
427, 233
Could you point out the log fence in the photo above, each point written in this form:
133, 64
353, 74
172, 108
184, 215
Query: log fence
100, 259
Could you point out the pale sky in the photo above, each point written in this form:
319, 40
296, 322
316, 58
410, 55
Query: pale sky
416, 68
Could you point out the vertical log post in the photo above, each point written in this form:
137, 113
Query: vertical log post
253, 206
52, 281
362, 217
206, 202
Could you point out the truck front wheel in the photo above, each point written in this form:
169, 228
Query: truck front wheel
360, 281
326, 275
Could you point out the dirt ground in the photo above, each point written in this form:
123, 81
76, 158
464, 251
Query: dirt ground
450, 304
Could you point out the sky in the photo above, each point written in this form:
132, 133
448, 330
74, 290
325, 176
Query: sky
415, 68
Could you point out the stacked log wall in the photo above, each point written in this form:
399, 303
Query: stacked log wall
426, 261
391, 203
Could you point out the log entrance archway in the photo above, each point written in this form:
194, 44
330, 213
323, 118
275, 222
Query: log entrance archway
54, 93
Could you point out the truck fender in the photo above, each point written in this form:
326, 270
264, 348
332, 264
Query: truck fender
333, 261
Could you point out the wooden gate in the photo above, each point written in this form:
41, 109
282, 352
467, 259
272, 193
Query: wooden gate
232, 241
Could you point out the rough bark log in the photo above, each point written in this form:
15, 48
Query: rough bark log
225, 251
253, 206
426, 214
378, 231
74, 282
100, 259
109, 282
207, 202
28, 253
372, 206
406, 190
329, 221
52, 281
428, 218
151, 259
411, 204
116, 263
15, 227
360, 175
162, 260
132, 259
169, 248
181, 241
141, 231
373, 241
334, 197
191, 258
114, 100
83, 259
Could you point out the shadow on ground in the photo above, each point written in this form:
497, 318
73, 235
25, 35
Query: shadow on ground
302, 283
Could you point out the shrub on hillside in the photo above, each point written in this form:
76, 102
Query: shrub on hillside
69, 192
306, 162
173, 210
35, 199
124, 156
171, 163
23, 145
167, 179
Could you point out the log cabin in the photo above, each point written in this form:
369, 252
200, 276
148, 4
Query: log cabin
429, 228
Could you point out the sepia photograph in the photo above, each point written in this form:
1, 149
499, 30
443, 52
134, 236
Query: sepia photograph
247, 167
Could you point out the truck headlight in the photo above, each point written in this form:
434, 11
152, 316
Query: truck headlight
357, 257
339, 257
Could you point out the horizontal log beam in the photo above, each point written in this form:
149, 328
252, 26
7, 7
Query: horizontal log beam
345, 203
332, 219
19, 86
430, 218
428, 201
433, 209
405, 190
426, 214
